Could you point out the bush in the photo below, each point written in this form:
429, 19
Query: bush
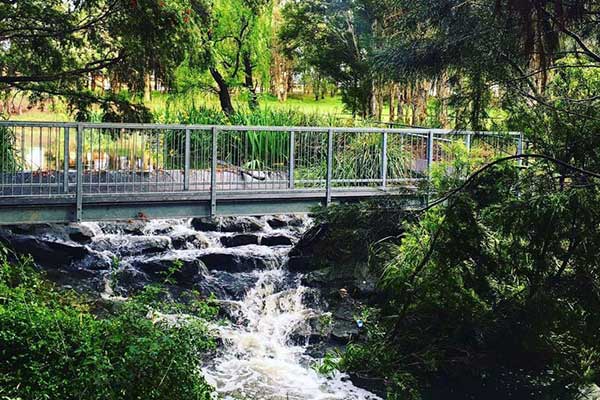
53, 345
493, 295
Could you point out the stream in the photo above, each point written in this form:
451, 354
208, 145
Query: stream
242, 261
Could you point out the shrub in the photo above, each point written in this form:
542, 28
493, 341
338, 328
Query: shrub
53, 345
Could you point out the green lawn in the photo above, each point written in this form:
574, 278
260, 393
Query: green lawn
302, 103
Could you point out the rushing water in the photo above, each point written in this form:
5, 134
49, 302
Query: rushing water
259, 359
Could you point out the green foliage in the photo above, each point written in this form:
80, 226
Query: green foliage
53, 345
8, 153
566, 126
329, 365
337, 39
490, 296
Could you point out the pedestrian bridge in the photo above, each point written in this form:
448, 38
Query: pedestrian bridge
61, 172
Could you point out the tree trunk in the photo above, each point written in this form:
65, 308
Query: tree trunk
249, 82
147, 87
392, 105
224, 95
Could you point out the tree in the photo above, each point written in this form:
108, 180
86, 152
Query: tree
236, 38
337, 39
50, 48
476, 45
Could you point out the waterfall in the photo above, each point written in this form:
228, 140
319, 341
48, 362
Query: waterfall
264, 352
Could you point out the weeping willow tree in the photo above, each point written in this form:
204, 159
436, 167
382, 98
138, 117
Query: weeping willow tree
237, 38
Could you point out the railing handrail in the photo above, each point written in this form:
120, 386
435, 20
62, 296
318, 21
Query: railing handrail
270, 128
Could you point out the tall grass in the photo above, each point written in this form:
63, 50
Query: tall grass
248, 149
8, 153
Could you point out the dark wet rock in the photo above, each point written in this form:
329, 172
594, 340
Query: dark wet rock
79, 233
276, 240
343, 331
94, 261
344, 326
296, 221
231, 310
82, 281
135, 227
45, 252
287, 221
356, 279
234, 262
187, 240
277, 222
225, 285
65, 232
131, 279
311, 298
239, 240
376, 386
205, 224
228, 224
303, 257
184, 270
316, 329
127, 245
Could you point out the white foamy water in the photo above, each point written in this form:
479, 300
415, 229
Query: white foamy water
260, 362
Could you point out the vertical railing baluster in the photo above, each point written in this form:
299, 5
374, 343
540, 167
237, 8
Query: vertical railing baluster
430, 139
292, 160
520, 149
66, 160
213, 174
186, 170
384, 139
329, 166
79, 194
468, 141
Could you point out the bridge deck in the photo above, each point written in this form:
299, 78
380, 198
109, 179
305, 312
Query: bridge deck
55, 172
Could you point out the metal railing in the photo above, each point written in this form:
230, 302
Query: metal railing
87, 159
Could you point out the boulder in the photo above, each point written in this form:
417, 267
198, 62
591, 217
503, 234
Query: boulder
277, 222
48, 253
127, 245
185, 240
94, 261
303, 257
131, 279
344, 326
134, 227
225, 285
239, 240
242, 224
228, 224
234, 262
205, 224
276, 240
79, 233
185, 270
66, 232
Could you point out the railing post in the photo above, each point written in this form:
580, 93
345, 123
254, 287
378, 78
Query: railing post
329, 166
384, 138
430, 138
468, 141
66, 160
79, 193
292, 160
213, 174
186, 167
520, 149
